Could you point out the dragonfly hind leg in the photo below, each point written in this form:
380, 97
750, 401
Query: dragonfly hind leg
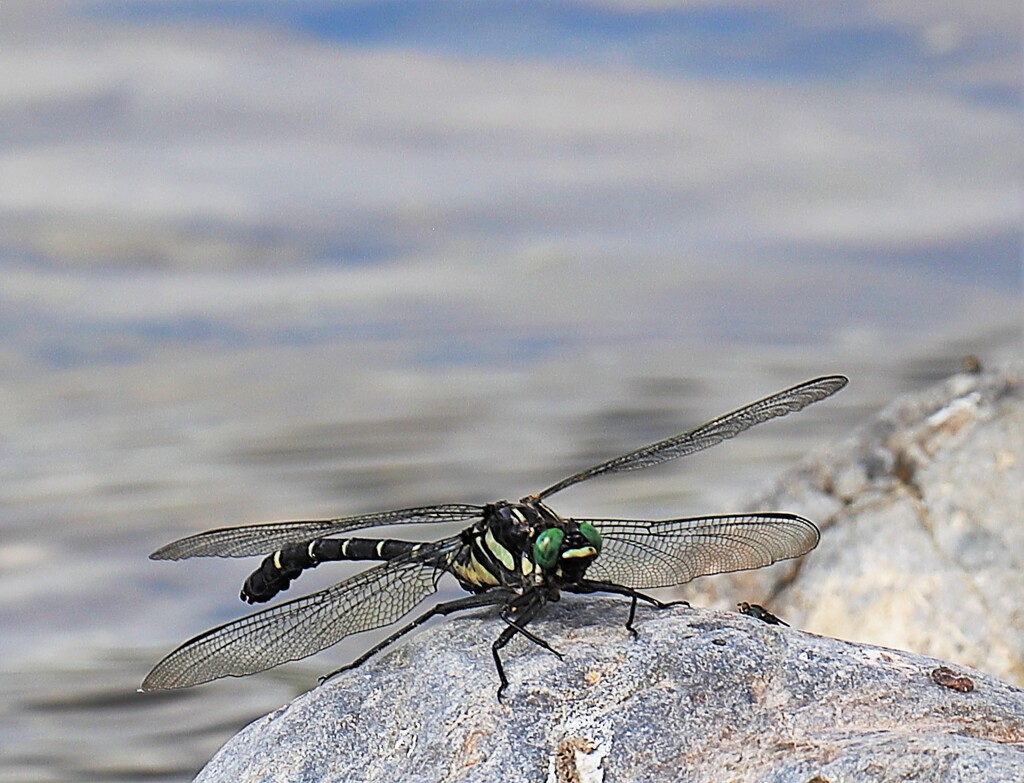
489, 598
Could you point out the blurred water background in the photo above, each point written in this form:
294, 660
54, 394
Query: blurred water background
263, 260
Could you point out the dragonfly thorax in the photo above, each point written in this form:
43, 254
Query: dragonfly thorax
526, 543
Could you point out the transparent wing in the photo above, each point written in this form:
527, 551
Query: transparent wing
642, 555
265, 538
712, 433
299, 628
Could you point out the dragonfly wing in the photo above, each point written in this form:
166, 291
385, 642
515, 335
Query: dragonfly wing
712, 433
643, 555
299, 628
263, 539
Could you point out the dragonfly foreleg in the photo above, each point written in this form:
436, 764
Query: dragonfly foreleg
517, 624
517, 614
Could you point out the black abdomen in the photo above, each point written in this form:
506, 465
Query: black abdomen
278, 570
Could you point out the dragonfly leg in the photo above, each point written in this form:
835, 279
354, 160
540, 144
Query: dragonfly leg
590, 586
632, 615
530, 635
524, 612
489, 598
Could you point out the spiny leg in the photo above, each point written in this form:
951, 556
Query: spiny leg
490, 598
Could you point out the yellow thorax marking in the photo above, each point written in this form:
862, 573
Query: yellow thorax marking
500, 552
474, 573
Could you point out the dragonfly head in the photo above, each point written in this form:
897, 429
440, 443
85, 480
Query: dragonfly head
567, 550
535, 538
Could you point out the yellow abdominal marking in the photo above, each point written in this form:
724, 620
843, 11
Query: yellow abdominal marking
277, 559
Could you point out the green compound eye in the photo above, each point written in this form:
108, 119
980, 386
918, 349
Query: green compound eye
590, 533
545, 548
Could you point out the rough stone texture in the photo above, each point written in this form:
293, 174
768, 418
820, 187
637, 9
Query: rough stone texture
700, 695
922, 549
922, 517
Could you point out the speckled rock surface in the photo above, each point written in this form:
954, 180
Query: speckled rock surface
700, 695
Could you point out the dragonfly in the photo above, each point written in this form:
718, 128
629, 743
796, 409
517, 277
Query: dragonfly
516, 556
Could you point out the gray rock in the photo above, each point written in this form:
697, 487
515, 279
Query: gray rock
922, 517
922, 549
700, 695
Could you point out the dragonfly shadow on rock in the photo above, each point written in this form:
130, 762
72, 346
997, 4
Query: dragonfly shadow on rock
517, 556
